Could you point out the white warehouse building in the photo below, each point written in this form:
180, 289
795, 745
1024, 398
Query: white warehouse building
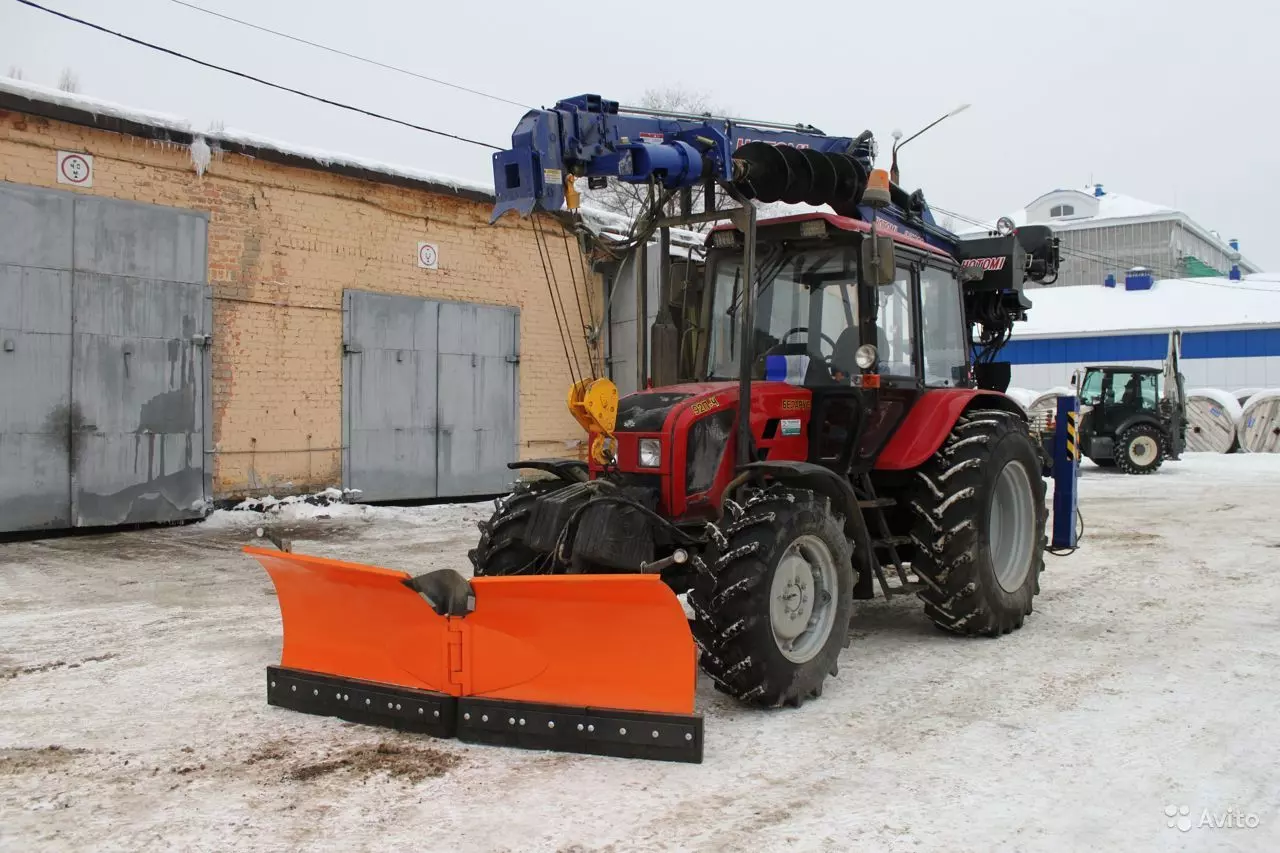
1230, 330
1104, 234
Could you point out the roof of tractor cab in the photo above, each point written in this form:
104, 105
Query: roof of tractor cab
1125, 368
844, 223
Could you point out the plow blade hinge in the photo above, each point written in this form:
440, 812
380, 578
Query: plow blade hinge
362, 702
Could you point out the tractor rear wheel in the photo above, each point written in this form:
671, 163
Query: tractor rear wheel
772, 601
1139, 450
979, 507
502, 549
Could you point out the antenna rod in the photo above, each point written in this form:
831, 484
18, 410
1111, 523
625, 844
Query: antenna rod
893, 169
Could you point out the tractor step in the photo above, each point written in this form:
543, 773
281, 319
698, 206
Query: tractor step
891, 541
877, 503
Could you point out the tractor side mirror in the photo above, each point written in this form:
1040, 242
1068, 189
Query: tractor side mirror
879, 267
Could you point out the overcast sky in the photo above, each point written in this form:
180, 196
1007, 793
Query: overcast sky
1172, 101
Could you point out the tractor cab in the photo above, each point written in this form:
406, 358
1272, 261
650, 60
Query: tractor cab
863, 336
1125, 418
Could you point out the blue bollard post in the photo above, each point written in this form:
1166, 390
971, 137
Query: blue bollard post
1066, 472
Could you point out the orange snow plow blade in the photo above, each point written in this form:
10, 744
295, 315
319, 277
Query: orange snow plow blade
602, 664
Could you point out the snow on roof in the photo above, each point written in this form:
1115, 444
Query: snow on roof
618, 226
1187, 304
333, 158
97, 106
1112, 209
1111, 205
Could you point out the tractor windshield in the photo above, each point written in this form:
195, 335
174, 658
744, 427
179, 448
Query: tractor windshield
806, 312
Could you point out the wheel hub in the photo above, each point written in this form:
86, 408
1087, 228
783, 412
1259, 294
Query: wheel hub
1142, 449
1011, 526
801, 599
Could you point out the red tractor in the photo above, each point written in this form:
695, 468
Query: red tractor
837, 421
834, 422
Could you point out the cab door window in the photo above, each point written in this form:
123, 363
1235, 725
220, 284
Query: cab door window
895, 335
946, 360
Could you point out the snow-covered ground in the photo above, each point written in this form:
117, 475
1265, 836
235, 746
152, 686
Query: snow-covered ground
133, 713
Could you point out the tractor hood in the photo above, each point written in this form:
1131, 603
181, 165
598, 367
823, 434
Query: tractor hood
647, 411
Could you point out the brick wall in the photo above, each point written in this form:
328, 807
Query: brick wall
284, 242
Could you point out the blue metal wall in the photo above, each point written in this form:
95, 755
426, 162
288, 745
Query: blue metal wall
1151, 347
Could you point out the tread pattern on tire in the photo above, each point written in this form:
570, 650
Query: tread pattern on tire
950, 548
501, 549
1124, 463
730, 597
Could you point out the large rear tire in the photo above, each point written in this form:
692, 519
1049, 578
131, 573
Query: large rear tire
979, 530
773, 601
1140, 450
502, 549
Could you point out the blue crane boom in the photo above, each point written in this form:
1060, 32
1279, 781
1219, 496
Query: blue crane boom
589, 136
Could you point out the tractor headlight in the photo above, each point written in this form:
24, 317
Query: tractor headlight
865, 357
650, 453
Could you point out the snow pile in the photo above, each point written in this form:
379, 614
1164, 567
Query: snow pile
295, 508
1188, 303
272, 503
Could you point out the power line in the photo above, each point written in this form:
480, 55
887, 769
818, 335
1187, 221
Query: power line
967, 219
245, 76
354, 56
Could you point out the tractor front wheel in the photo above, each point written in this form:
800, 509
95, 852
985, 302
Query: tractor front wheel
979, 507
502, 549
1139, 450
772, 601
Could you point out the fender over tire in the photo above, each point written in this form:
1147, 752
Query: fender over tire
502, 549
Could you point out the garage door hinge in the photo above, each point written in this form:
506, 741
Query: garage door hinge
351, 347
201, 340
513, 359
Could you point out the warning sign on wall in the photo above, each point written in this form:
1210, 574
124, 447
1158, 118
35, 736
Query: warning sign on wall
428, 256
75, 169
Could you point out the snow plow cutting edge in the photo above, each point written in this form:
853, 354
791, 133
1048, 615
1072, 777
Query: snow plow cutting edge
603, 665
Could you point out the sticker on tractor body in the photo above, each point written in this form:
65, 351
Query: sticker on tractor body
703, 406
790, 426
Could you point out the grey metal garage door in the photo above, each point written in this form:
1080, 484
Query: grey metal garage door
429, 397
103, 363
